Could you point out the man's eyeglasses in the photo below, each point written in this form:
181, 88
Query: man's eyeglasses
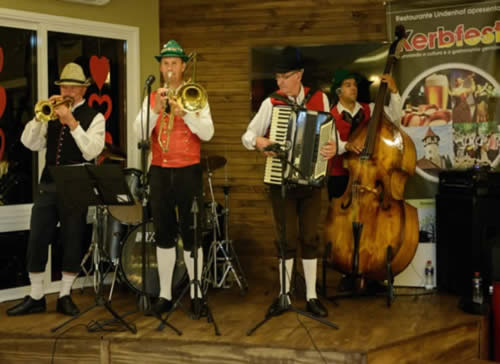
284, 76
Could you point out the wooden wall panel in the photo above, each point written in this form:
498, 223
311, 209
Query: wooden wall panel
223, 33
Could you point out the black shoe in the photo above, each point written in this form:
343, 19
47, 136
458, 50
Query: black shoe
278, 307
315, 307
162, 305
29, 305
66, 306
198, 308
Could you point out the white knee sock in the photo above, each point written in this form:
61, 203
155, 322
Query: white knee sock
189, 261
36, 280
166, 264
66, 283
310, 271
288, 274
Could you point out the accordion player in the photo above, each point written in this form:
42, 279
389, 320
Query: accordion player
301, 133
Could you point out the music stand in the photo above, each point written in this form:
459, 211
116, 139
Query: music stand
284, 305
95, 185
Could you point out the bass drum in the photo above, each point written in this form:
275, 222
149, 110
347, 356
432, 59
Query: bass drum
131, 263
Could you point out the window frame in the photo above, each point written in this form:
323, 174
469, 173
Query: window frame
17, 217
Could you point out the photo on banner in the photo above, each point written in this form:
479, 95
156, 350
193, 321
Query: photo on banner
449, 82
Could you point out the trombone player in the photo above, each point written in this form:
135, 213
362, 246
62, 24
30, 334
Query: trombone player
72, 133
175, 175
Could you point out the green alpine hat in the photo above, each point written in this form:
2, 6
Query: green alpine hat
172, 49
340, 75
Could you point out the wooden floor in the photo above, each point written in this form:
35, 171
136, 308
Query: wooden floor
416, 329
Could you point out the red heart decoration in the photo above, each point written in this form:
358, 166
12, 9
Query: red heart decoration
108, 138
99, 69
3, 100
1, 59
2, 144
100, 99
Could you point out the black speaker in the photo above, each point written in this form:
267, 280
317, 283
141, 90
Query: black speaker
467, 240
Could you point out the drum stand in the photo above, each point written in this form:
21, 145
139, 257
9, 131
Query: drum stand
94, 250
196, 282
221, 253
100, 217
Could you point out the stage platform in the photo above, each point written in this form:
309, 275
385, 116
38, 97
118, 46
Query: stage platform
416, 329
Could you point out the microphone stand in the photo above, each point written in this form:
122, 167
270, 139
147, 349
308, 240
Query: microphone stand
197, 312
144, 301
284, 304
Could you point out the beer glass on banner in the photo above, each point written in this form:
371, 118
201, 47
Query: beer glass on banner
436, 90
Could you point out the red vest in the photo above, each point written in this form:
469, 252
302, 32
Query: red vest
336, 164
315, 102
184, 146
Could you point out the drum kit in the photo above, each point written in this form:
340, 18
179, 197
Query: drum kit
117, 238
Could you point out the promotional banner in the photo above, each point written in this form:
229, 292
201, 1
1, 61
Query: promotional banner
449, 81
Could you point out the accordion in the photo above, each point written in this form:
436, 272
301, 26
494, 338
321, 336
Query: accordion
301, 134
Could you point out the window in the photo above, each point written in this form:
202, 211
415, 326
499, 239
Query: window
18, 85
33, 50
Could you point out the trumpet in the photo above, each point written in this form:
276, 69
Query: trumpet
45, 109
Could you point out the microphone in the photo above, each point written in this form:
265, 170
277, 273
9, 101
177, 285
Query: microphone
150, 80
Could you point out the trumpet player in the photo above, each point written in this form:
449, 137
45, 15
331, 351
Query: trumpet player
175, 175
75, 136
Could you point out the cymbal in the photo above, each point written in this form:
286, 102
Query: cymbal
212, 162
113, 153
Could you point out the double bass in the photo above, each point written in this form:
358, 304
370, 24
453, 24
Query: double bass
372, 231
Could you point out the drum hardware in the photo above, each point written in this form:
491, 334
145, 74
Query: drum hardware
196, 282
221, 254
212, 162
95, 250
108, 230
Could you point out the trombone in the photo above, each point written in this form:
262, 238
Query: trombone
45, 109
192, 97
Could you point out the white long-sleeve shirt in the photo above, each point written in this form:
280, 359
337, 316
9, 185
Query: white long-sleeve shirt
200, 123
90, 141
393, 111
262, 120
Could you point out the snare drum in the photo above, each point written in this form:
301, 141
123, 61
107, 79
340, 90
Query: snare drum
131, 262
129, 214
